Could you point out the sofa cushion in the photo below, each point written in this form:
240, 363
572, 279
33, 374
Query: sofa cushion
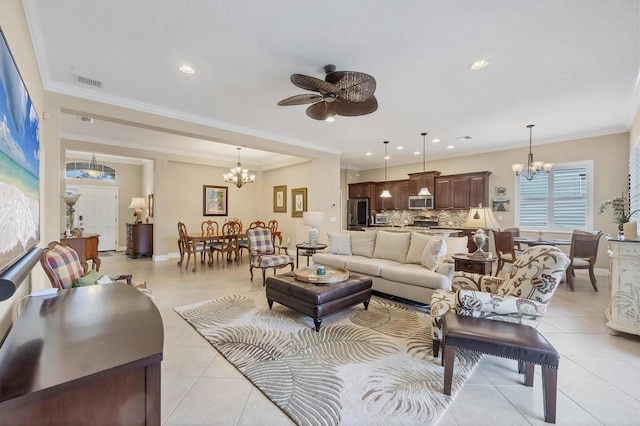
339, 243
371, 267
416, 275
392, 246
434, 253
363, 243
416, 247
328, 259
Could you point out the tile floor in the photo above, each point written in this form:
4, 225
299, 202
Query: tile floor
599, 376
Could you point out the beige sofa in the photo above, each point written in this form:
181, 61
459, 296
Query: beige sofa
393, 260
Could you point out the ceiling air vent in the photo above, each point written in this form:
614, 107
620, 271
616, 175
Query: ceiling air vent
89, 81
463, 138
86, 119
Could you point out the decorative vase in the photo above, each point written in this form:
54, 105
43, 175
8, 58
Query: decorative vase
621, 231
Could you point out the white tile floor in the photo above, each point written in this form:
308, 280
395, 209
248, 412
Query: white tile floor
599, 375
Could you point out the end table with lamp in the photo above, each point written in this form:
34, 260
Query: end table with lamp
307, 250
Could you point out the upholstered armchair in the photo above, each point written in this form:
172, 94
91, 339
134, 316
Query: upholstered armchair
521, 296
262, 252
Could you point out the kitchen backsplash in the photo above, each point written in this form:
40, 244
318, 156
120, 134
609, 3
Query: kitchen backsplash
454, 218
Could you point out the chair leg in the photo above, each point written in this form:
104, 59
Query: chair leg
592, 276
251, 271
549, 392
436, 347
264, 277
570, 277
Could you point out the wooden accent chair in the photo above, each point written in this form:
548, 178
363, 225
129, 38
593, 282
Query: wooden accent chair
63, 267
516, 234
505, 248
210, 228
583, 255
228, 242
262, 253
189, 247
521, 296
277, 235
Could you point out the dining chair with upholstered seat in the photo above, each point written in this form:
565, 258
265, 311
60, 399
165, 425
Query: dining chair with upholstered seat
227, 244
505, 248
189, 247
583, 255
262, 252
516, 234
275, 234
209, 228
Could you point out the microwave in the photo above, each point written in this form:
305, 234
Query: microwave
420, 202
382, 219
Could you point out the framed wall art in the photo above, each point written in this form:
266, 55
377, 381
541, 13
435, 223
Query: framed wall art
215, 200
298, 201
280, 199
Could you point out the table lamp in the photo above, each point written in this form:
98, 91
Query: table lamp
480, 218
313, 219
137, 204
71, 200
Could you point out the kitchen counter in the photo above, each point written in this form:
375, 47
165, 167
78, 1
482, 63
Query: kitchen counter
445, 232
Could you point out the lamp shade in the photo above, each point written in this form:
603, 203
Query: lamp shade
312, 219
481, 218
138, 203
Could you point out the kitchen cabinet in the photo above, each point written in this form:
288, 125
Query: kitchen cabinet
401, 196
399, 190
461, 191
139, 239
362, 190
416, 181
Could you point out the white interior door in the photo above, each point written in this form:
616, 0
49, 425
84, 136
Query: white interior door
97, 213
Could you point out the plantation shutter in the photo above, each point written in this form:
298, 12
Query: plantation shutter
534, 201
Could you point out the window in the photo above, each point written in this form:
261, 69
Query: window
85, 170
634, 178
559, 201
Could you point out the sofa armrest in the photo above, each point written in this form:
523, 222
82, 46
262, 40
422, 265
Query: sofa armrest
469, 302
478, 282
446, 269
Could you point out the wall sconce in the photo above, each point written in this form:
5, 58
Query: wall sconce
150, 204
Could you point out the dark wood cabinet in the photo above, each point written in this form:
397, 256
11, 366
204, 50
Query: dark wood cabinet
139, 239
399, 190
461, 191
417, 180
362, 190
87, 249
402, 195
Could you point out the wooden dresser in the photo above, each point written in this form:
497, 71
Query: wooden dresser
90, 355
87, 249
139, 239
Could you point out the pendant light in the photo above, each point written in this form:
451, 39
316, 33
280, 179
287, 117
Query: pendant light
533, 167
385, 192
424, 190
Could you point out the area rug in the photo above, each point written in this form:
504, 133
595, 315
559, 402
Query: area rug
362, 367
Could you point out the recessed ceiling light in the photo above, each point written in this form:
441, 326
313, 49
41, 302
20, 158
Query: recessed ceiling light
368, 153
479, 64
400, 147
387, 157
330, 119
450, 147
417, 153
435, 140
187, 69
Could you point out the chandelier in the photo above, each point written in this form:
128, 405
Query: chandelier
385, 192
239, 176
533, 167
94, 170
424, 190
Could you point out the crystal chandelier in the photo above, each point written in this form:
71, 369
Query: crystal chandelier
533, 167
239, 176
424, 190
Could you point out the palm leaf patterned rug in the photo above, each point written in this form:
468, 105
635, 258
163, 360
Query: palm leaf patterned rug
362, 367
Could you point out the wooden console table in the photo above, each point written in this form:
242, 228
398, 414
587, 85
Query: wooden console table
87, 249
89, 355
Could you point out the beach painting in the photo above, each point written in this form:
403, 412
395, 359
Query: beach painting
19, 165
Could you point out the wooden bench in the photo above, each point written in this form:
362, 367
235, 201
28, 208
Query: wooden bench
507, 340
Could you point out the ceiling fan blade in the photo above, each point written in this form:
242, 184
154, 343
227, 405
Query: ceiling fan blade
355, 86
352, 109
300, 100
322, 110
312, 83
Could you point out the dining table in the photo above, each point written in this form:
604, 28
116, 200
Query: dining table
198, 238
541, 241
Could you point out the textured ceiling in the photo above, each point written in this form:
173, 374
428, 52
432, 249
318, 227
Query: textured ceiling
570, 67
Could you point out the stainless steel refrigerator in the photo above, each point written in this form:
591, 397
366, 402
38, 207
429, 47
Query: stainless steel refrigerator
357, 213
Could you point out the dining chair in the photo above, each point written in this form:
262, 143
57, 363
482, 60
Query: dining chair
189, 247
505, 248
516, 234
210, 228
228, 242
243, 243
275, 234
262, 253
583, 255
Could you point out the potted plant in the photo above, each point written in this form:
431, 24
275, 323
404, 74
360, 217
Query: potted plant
620, 210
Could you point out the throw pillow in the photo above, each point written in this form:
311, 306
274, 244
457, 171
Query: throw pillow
418, 242
363, 243
456, 245
339, 243
434, 253
392, 245
89, 279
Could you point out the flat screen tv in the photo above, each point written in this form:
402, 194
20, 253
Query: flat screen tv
19, 164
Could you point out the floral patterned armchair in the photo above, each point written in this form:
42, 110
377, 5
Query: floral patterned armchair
521, 296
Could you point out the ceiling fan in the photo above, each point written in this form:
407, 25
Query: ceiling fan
346, 93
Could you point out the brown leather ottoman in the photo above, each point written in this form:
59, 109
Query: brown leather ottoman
318, 301
507, 340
